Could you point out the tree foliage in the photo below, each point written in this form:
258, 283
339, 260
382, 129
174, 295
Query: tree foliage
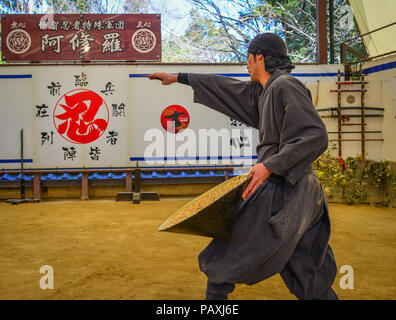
219, 30
236, 22
202, 41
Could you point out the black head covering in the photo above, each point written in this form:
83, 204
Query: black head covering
268, 44
274, 50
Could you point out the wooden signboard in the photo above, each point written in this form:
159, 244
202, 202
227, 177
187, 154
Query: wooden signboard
85, 37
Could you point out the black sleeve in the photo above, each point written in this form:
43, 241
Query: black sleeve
232, 97
183, 78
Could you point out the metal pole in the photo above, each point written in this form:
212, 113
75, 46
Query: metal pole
22, 179
342, 53
370, 58
365, 34
284, 21
339, 110
362, 119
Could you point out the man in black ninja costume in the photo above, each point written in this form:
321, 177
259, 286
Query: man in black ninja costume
284, 225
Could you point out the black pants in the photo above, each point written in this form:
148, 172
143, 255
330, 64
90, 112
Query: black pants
221, 292
306, 277
283, 231
298, 277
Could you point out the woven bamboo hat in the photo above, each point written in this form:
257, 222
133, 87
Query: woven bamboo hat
212, 214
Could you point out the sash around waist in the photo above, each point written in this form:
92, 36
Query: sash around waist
273, 178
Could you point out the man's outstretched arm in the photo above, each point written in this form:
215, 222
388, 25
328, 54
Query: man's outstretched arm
232, 97
259, 171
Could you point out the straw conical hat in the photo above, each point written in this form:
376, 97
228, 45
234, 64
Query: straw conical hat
212, 214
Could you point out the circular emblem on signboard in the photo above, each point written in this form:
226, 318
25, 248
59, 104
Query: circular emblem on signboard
18, 41
144, 40
175, 118
81, 116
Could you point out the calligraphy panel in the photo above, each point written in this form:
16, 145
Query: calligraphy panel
85, 37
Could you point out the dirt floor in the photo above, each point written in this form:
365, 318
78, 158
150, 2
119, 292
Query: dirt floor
112, 250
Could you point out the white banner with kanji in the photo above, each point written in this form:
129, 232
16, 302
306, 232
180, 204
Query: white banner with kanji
102, 115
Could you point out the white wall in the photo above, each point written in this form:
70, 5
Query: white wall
381, 91
373, 98
144, 101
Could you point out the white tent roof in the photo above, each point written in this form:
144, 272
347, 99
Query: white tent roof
373, 14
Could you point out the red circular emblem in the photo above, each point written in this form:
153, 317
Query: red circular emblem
175, 118
81, 116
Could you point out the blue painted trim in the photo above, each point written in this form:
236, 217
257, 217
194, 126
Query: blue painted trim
381, 67
16, 160
329, 74
90, 168
247, 75
15, 76
112, 176
192, 158
234, 75
139, 75
211, 167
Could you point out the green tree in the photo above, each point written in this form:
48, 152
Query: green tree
294, 20
203, 41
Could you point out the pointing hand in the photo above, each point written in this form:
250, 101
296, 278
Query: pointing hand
165, 78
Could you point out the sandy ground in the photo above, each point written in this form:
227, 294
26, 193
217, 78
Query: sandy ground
112, 250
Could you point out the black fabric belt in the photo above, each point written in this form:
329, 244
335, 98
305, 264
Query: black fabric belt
273, 178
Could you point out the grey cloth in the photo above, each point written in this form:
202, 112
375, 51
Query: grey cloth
291, 132
284, 226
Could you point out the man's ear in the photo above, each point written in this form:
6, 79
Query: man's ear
260, 59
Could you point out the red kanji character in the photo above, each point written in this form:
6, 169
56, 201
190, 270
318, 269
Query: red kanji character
82, 121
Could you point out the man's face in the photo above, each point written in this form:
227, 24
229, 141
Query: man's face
253, 66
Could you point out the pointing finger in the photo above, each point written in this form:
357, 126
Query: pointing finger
154, 76
248, 190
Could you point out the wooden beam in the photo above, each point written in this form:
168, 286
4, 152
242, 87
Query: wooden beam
37, 186
137, 186
84, 186
128, 187
321, 31
227, 174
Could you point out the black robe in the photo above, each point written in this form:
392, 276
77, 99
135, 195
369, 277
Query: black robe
284, 226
